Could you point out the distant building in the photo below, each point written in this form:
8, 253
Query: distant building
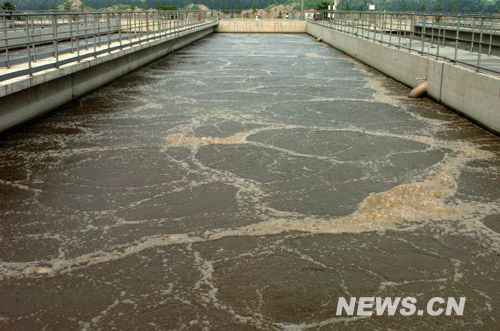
310, 14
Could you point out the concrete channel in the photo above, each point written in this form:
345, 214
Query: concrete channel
24, 98
246, 182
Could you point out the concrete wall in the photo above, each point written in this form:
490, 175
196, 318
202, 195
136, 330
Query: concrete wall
476, 95
23, 99
261, 26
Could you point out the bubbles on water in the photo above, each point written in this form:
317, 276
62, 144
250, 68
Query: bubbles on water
425, 198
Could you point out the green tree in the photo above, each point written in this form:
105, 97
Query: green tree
453, 6
8, 6
167, 7
344, 5
323, 5
67, 5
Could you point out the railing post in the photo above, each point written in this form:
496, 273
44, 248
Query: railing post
120, 29
473, 27
422, 34
367, 25
56, 46
147, 26
6, 37
71, 33
135, 24
457, 38
438, 37
108, 23
28, 48
34, 42
170, 18
382, 35
432, 33
412, 27
78, 36
340, 20
357, 26
444, 31
362, 25
344, 22
86, 31
129, 27
139, 25
480, 44
166, 26
491, 41
154, 24
399, 30
348, 21
159, 23
390, 30
405, 26
96, 27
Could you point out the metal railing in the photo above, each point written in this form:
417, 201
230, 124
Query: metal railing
473, 41
36, 41
259, 15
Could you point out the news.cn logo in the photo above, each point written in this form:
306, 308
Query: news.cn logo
404, 306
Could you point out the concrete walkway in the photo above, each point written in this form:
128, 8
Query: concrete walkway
21, 69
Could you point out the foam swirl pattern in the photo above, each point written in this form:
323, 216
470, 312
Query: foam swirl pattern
246, 182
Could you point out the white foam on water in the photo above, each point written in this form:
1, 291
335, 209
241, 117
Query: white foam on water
429, 198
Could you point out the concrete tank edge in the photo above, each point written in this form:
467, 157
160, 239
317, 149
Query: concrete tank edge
476, 101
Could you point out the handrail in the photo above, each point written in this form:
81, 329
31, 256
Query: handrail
469, 40
32, 42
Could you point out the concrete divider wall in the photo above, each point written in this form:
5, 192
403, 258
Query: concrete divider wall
261, 26
36, 95
475, 95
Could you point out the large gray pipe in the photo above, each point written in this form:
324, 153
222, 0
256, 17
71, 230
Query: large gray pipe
419, 91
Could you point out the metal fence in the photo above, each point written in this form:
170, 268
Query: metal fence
470, 40
260, 15
36, 41
31, 42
